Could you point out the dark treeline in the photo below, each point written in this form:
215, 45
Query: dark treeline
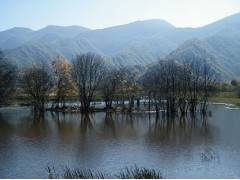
179, 87
167, 85
8, 74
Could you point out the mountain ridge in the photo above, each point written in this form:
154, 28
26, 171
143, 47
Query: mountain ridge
139, 42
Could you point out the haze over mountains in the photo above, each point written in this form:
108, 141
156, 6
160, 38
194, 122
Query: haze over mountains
141, 42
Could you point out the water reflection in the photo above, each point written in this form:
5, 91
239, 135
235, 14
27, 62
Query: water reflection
86, 124
5, 127
102, 140
180, 129
108, 125
33, 126
209, 155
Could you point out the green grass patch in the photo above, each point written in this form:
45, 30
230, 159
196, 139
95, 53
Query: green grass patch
225, 97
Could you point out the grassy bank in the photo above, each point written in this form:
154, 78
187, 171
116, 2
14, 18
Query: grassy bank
220, 97
225, 97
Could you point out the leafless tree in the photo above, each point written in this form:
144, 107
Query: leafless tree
121, 90
87, 72
184, 78
183, 86
130, 84
37, 83
110, 82
7, 78
62, 80
208, 81
153, 86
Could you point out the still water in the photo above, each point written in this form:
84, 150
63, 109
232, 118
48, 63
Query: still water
201, 147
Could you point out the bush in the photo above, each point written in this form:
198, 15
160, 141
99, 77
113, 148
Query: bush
140, 173
128, 173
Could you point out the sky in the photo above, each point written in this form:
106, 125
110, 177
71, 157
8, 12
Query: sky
97, 14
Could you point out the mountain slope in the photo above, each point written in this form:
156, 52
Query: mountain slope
113, 39
141, 42
17, 37
47, 51
135, 43
14, 37
222, 52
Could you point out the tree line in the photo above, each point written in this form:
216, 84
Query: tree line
167, 85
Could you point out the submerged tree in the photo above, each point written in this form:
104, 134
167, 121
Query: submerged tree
128, 84
208, 81
182, 86
7, 79
62, 79
109, 84
37, 83
87, 72
152, 84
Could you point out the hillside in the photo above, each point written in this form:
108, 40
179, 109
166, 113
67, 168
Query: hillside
141, 42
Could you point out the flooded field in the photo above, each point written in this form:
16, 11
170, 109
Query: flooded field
200, 147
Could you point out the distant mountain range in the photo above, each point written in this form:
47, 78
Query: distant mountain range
141, 42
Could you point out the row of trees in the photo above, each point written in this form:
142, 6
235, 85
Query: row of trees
179, 87
168, 85
8, 74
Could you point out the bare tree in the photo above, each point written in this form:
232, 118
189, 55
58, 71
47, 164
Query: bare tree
184, 78
183, 86
130, 85
37, 83
7, 78
208, 81
62, 79
121, 90
151, 82
109, 84
87, 72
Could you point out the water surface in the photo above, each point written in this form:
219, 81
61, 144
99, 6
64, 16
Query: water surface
200, 147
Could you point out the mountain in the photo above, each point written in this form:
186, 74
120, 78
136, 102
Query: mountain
226, 25
61, 31
222, 46
113, 39
222, 52
16, 37
141, 42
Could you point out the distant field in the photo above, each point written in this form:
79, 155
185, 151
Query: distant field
226, 97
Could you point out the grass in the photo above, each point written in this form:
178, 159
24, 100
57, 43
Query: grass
140, 173
129, 173
225, 97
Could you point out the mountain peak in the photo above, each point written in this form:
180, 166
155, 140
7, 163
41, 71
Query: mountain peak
17, 30
63, 28
151, 23
154, 21
229, 22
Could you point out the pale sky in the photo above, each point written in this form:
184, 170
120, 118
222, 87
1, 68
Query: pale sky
97, 14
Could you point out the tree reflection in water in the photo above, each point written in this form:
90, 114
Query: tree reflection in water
109, 125
5, 127
179, 129
159, 128
86, 123
33, 126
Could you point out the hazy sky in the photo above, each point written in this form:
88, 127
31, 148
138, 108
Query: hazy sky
94, 14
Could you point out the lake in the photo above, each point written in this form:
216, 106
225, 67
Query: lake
200, 147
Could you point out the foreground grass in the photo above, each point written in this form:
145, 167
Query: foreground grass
225, 97
128, 173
